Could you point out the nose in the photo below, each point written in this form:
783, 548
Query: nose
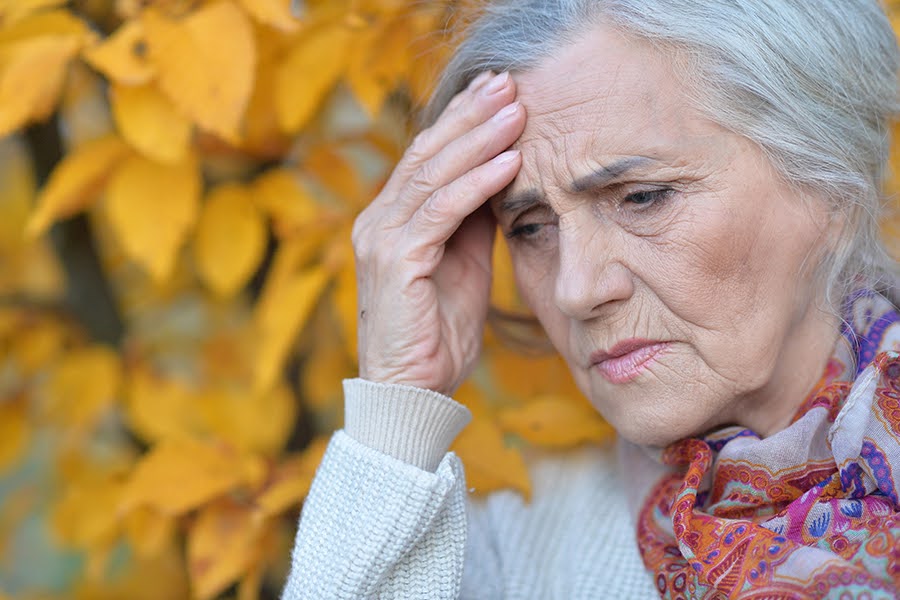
590, 275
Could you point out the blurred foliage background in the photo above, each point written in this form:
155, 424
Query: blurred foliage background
178, 179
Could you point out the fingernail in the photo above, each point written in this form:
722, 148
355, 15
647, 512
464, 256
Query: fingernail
507, 157
496, 84
480, 80
507, 111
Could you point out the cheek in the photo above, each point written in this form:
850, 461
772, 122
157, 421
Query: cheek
732, 279
727, 240
714, 264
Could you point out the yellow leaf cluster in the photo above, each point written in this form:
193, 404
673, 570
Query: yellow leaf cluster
206, 161
83, 384
30, 266
36, 47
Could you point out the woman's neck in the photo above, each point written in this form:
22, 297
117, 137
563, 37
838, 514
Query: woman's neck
798, 369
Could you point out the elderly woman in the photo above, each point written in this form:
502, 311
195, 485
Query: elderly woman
689, 190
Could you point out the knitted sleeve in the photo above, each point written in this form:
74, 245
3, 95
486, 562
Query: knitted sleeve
385, 517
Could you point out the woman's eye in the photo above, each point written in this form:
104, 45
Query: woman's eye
647, 197
524, 231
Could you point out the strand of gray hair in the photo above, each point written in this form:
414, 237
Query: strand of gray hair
814, 84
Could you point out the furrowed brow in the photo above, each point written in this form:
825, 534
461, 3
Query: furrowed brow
608, 174
520, 201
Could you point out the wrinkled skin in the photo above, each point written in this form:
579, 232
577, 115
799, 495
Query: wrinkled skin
629, 215
423, 247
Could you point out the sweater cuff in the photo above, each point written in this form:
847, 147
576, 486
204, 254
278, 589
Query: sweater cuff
411, 424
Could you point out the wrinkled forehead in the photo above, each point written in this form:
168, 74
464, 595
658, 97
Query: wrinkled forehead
602, 101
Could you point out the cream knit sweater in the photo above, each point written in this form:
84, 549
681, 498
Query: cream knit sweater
389, 516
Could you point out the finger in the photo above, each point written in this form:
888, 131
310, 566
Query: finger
442, 214
468, 109
479, 81
458, 158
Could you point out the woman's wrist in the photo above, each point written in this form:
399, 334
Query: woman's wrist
414, 425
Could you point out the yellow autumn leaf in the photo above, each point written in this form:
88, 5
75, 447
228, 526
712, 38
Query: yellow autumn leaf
205, 64
230, 239
165, 481
283, 197
86, 468
388, 146
262, 134
250, 584
75, 181
38, 344
431, 53
504, 294
223, 543
254, 469
34, 272
83, 107
148, 531
10, 320
369, 91
151, 208
490, 464
122, 57
326, 366
257, 424
520, 376
293, 255
161, 576
83, 386
31, 268
47, 23
32, 73
34, 54
280, 315
15, 432
309, 71
379, 63
337, 174
13, 11
158, 408
556, 422
86, 514
383, 8
473, 397
291, 479
149, 122
344, 300
274, 13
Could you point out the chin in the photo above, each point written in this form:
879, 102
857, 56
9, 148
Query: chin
644, 435
648, 425
647, 412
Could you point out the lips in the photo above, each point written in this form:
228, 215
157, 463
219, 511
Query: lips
627, 359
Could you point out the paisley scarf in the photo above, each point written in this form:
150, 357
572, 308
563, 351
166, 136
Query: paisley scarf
810, 512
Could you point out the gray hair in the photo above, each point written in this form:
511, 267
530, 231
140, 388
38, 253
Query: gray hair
813, 84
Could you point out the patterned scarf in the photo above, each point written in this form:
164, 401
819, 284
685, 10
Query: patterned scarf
810, 512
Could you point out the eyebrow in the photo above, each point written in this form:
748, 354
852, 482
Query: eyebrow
601, 177
606, 174
521, 200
